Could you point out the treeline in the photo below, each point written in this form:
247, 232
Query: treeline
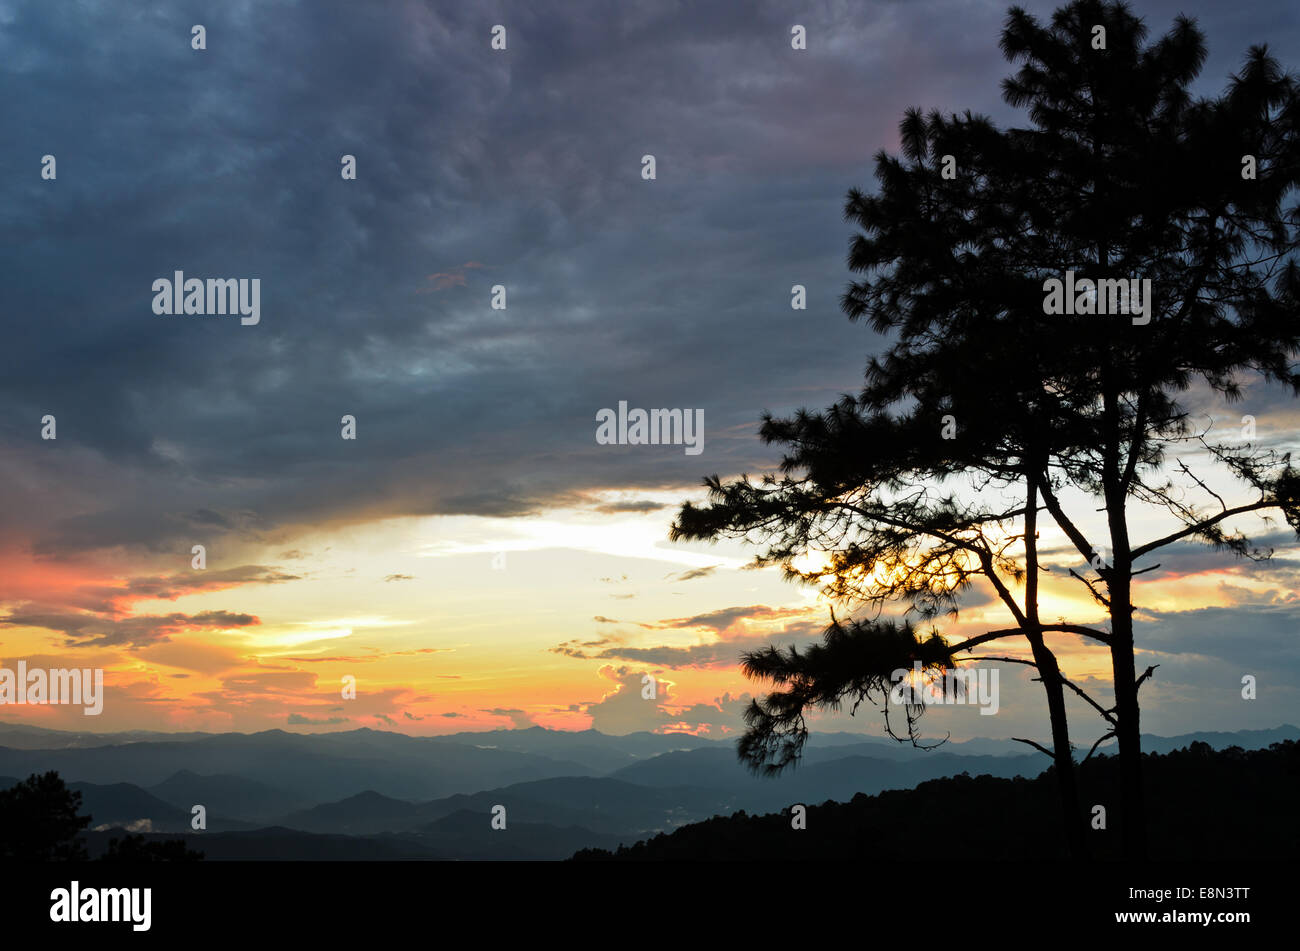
1230, 804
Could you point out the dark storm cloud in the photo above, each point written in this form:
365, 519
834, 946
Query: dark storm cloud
474, 168
1241, 638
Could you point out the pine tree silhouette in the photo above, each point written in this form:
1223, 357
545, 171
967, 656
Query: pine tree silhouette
987, 407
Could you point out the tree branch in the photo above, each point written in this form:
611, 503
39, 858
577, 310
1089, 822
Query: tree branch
1149, 671
1071, 530
1037, 746
1106, 714
1100, 740
1201, 526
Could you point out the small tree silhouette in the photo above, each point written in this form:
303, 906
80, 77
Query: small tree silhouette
39, 821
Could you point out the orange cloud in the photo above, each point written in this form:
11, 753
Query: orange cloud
453, 278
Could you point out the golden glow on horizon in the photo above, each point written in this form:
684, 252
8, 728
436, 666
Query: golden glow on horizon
440, 639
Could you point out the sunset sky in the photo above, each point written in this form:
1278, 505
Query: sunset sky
474, 558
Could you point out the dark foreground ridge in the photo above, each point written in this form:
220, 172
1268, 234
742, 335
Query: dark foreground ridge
1204, 805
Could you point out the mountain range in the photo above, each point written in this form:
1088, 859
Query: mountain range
320, 795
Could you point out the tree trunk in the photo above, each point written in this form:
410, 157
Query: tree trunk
1119, 579
1050, 674
1127, 715
1066, 782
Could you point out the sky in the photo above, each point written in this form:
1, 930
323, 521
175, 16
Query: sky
475, 558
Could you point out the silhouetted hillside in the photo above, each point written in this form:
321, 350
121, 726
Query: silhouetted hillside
838, 772
232, 796
366, 812
605, 806
1203, 804
127, 806
469, 835
278, 844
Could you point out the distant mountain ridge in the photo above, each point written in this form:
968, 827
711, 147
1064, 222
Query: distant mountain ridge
228, 795
313, 768
422, 797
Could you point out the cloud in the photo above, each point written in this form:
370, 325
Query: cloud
716, 655
453, 278
86, 630
694, 573
725, 620
627, 709
117, 598
178, 431
191, 654
297, 719
163, 445
271, 682
1248, 637
623, 709
639, 506
435, 373
1189, 558
731, 638
518, 718
581, 649
723, 717
375, 655
135, 825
